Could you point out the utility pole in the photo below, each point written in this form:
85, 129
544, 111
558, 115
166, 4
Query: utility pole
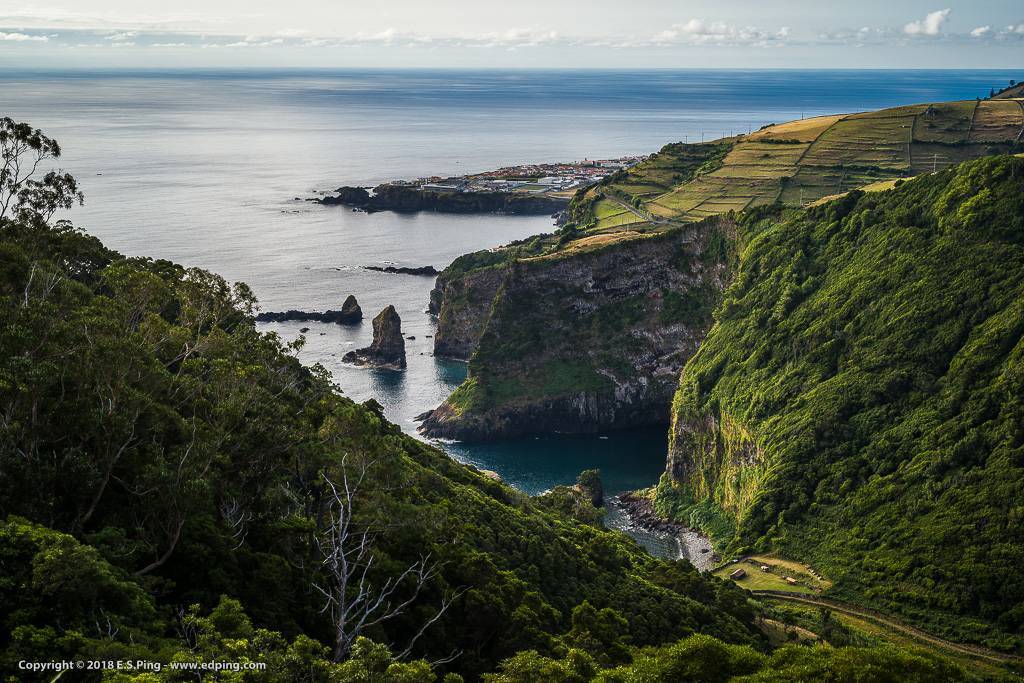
935, 162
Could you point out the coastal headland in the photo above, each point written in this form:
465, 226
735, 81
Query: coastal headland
530, 189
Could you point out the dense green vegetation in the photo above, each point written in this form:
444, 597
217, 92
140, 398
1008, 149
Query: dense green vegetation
168, 454
858, 402
166, 475
700, 659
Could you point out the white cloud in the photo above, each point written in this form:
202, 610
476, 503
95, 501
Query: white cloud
931, 25
22, 38
122, 36
701, 32
516, 37
981, 31
61, 17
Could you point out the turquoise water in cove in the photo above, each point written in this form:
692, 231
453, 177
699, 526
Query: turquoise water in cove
205, 168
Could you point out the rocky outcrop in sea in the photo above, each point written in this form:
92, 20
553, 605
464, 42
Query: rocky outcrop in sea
404, 270
388, 347
349, 314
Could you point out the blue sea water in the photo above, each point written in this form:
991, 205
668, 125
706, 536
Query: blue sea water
209, 168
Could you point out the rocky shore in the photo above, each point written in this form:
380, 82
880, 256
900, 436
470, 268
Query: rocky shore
405, 199
404, 270
692, 544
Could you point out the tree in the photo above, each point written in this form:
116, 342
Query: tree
346, 547
23, 150
589, 483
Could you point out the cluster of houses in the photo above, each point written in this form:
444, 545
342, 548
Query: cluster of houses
531, 178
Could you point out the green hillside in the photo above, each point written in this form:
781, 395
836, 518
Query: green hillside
858, 402
165, 466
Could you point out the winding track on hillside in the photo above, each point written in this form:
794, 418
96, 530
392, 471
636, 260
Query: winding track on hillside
889, 622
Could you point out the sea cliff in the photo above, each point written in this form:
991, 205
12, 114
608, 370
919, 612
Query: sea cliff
580, 340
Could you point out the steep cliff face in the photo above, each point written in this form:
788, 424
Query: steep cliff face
858, 404
462, 305
588, 338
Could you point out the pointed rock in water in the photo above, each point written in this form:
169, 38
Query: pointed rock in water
349, 314
388, 347
350, 310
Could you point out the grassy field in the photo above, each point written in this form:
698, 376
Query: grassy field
802, 162
866, 631
775, 578
997, 120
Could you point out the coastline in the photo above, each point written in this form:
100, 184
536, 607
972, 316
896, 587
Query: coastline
640, 516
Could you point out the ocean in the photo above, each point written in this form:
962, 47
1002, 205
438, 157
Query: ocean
211, 169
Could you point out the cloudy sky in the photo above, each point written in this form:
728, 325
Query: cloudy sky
521, 33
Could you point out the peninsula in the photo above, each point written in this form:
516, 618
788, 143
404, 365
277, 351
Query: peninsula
532, 189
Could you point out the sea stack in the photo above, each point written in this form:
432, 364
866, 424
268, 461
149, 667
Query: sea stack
388, 347
350, 310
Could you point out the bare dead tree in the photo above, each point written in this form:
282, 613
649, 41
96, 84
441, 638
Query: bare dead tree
354, 603
238, 517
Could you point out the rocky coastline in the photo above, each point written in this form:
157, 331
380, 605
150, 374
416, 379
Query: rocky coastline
405, 199
350, 314
404, 270
580, 341
694, 545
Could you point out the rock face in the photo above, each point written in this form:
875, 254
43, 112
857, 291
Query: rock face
350, 314
348, 196
350, 310
388, 347
462, 306
583, 340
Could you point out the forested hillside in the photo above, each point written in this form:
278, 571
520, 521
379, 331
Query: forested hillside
175, 484
858, 401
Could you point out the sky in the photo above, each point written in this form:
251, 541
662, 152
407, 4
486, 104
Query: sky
67, 34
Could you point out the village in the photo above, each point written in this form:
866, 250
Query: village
553, 179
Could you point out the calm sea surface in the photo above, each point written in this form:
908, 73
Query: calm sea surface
204, 168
